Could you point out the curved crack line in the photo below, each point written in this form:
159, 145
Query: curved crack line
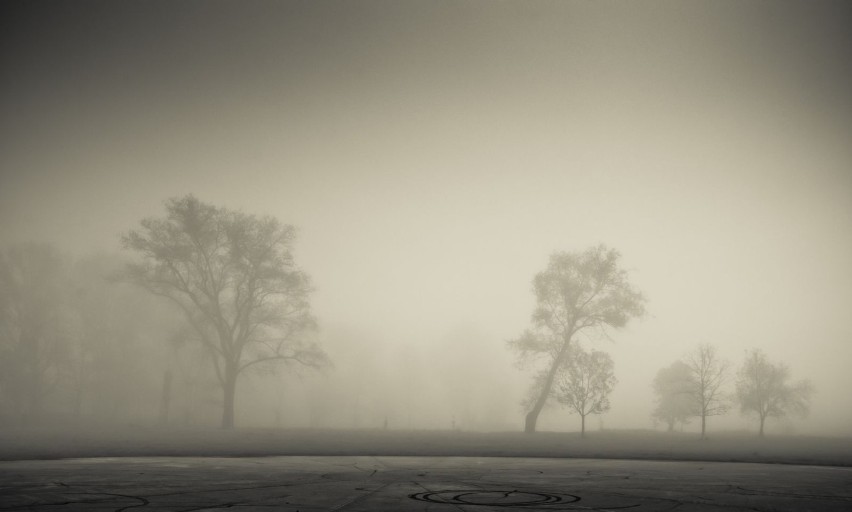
429, 490
156, 495
30, 506
556, 506
223, 505
677, 501
480, 497
144, 501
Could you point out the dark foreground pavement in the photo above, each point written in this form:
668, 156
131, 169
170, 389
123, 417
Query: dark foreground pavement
417, 483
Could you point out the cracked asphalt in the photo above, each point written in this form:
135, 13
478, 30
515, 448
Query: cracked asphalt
417, 483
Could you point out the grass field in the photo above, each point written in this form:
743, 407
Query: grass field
47, 443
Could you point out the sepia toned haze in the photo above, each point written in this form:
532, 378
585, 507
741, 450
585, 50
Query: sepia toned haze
434, 154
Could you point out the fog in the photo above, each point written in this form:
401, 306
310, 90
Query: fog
432, 156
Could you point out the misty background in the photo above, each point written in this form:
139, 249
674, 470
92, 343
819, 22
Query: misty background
433, 155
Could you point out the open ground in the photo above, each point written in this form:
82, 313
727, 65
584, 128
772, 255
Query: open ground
356, 470
142, 441
417, 483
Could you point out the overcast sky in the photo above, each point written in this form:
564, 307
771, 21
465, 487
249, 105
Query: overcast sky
433, 155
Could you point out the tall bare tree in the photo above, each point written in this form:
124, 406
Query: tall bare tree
578, 293
233, 277
709, 373
585, 383
763, 389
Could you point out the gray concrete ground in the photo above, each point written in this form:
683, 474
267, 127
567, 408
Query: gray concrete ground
417, 483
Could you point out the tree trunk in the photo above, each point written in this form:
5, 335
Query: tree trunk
703, 425
762, 419
532, 416
582, 425
230, 387
530, 421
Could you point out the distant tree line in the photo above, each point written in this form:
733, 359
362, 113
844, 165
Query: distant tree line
695, 387
583, 295
73, 342
212, 294
80, 337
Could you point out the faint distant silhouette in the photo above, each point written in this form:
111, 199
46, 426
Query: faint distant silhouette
709, 373
674, 388
763, 390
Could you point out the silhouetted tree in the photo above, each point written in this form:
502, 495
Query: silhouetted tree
578, 292
234, 278
675, 390
33, 280
584, 384
709, 373
763, 390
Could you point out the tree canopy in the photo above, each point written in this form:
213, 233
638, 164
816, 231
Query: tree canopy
234, 278
709, 373
584, 384
763, 390
579, 292
674, 387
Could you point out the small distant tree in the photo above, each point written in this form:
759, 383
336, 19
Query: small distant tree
675, 387
584, 384
579, 292
233, 277
763, 390
709, 373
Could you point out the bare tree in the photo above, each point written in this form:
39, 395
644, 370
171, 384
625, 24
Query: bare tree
584, 384
579, 292
233, 277
675, 389
762, 389
709, 374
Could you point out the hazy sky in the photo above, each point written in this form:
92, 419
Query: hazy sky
433, 155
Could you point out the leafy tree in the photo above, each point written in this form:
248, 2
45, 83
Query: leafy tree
233, 277
584, 384
709, 373
33, 281
763, 390
675, 390
578, 293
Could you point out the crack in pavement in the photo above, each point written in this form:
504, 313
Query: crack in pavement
753, 492
362, 483
358, 498
147, 498
143, 501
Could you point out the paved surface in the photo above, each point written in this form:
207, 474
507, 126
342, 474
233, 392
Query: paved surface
417, 483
